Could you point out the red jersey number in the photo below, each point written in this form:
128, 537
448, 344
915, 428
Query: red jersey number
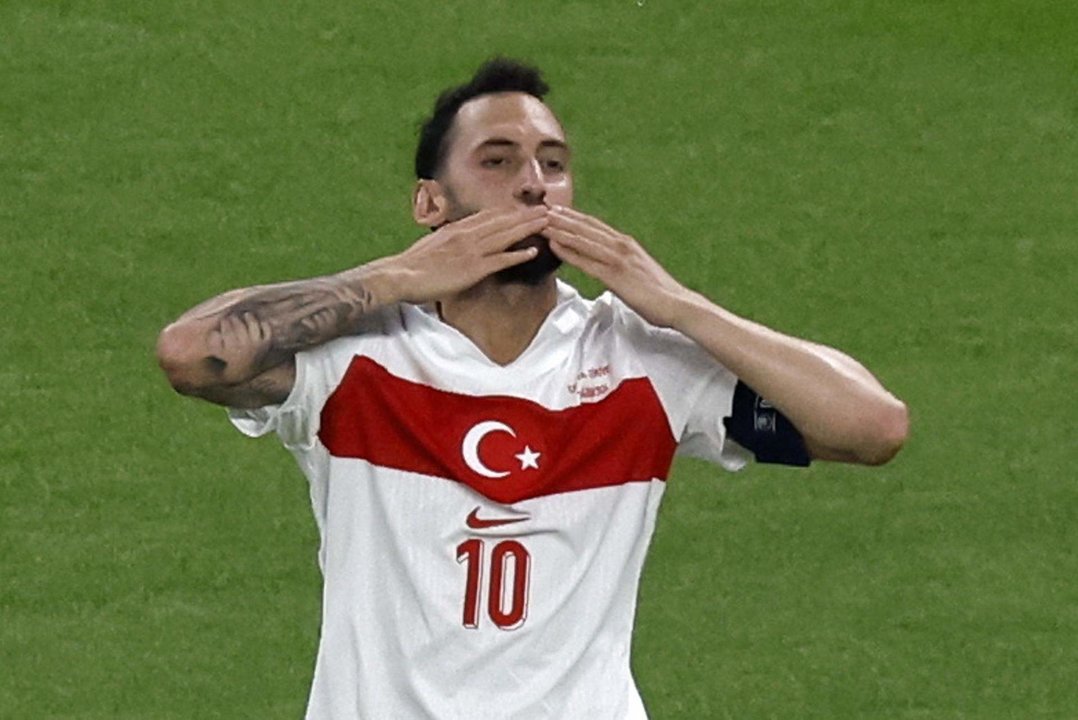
509, 566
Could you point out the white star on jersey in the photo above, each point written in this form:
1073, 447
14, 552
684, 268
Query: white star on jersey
528, 459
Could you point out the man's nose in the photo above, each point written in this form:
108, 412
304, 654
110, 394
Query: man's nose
531, 187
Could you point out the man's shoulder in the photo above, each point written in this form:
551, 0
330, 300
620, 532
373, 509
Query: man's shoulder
605, 306
608, 315
610, 312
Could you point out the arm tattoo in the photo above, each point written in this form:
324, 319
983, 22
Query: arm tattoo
267, 327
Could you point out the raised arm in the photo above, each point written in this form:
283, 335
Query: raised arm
238, 349
836, 404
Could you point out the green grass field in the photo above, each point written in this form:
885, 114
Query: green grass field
898, 178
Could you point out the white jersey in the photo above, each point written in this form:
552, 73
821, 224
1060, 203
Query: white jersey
483, 527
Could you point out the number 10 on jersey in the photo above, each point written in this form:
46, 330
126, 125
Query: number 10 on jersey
508, 567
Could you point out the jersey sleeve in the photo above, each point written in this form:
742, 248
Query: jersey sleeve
318, 370
296, 419
713, 415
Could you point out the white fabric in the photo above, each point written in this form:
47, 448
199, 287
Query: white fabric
393, 643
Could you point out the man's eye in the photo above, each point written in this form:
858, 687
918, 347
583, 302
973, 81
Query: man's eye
493, 162
556, 165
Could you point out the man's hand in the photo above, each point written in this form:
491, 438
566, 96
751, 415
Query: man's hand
843, 412
459, 254
619, 262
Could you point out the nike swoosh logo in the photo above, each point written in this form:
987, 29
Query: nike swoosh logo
477, 523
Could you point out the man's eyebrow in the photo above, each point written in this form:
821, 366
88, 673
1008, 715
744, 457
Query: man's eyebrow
496, 142
506, 142
561, 145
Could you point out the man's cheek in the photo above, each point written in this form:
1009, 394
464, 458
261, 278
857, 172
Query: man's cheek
561, 194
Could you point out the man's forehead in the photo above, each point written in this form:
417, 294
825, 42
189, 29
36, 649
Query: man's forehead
506, 115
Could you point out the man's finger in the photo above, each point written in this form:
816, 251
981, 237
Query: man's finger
564, 250
503, 260
572, 224
574, 218
487, 221
582, 245
587, 230
502, 238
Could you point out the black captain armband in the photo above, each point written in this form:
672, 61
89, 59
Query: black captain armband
758, 427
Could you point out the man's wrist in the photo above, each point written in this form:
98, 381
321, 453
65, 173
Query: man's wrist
688, 308
376, 279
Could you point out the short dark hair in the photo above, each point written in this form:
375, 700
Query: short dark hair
494, 76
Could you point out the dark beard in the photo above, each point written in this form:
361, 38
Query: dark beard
533, 271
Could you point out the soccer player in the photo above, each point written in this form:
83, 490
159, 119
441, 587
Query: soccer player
486, 449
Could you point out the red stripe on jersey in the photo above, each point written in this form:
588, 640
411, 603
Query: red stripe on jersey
509, 449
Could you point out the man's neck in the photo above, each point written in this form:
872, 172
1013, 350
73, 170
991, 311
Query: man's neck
501, 319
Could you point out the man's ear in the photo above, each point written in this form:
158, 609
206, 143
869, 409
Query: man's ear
430, 206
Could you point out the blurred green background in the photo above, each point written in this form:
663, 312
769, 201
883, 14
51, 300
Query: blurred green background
896, 178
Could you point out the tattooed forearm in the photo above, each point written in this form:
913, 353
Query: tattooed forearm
269, 388
238, 349
265, 327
